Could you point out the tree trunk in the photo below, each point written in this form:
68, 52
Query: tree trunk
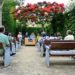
1, 4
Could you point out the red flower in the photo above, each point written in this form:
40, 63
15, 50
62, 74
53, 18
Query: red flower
26, 13
38, 9
46, 9
61, 5
32, 7
33, 19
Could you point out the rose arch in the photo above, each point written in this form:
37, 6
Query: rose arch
40, 12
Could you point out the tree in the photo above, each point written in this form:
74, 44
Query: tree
40, 12
57, 23
8, 20
70, 18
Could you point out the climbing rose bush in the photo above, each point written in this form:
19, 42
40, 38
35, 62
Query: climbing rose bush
35, 11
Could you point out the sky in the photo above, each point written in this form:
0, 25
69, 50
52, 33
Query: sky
58, 1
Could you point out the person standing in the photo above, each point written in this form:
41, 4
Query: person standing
4, 38
32, 36
58, 35
19, 36
6, 46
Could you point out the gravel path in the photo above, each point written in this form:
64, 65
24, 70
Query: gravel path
28, 61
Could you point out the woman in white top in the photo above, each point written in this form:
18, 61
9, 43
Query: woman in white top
69, 35
19, 36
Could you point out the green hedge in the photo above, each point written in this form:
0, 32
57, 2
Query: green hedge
7, 18
33, 30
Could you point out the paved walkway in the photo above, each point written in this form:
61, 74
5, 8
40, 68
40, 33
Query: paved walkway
28, 61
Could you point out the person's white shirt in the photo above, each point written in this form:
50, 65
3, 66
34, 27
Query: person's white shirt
69, 37
47, 37
52, 37
19, 36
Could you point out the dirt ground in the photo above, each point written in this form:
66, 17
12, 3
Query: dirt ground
28, 61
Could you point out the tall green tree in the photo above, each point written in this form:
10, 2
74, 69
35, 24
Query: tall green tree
57, 23
70, 18
7, 18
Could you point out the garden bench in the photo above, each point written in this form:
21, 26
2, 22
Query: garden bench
5, 53
59, 48
1, 49
46, 42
